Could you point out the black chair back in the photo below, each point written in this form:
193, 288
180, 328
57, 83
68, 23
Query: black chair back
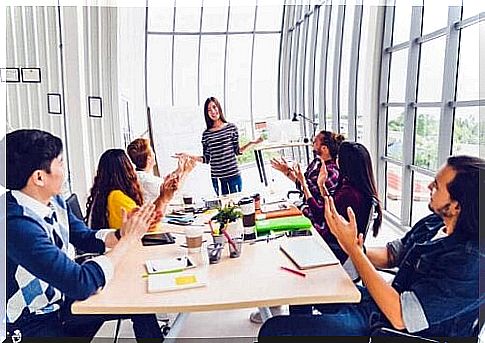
73, 202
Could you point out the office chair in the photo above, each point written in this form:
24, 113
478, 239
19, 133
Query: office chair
73, 202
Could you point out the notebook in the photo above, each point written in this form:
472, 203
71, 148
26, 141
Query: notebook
306, 252
175, 281
169, 265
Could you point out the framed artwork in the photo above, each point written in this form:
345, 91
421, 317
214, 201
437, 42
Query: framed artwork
30, 75
10, 74
95, 106
54, 103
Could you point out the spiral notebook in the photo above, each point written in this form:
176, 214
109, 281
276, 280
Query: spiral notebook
306, 252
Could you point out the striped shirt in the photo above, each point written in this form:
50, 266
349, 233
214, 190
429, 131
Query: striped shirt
220, 148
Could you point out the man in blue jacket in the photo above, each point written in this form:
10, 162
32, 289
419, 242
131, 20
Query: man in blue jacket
436, 290
42, 278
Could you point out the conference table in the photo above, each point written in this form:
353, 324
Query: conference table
255, 279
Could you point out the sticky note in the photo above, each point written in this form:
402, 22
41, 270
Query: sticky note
185, 280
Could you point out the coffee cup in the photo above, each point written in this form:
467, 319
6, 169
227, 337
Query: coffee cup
193, 236
188, 199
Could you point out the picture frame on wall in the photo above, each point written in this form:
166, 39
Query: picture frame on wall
54, 103
95, 106
10, 74
31, 75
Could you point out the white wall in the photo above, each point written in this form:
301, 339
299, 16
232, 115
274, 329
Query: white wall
85, 64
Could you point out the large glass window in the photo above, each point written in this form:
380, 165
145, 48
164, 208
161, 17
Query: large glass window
211, 48
397, 79
466, 131
212, 67
185, 70
238, 77
436, 117
426, 137
431, 70
159, 58
468, 64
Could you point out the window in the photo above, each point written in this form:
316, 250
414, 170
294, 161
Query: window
436, 115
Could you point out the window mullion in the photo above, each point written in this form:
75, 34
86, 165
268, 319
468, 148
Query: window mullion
384, 87
336, 69
449, 85
410, 113
354, 63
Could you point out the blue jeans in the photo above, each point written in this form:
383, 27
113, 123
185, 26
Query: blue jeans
360, 319
63, 323
232, 184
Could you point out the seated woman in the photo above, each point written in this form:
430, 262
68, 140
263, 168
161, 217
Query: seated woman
142, 156
356, 188
325, 148
116, 187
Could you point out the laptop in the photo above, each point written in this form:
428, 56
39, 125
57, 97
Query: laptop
306, 252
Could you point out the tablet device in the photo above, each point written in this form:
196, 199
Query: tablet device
157, 239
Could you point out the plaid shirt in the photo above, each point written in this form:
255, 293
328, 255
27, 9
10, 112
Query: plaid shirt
311, 176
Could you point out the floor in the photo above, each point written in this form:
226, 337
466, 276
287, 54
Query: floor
233, 326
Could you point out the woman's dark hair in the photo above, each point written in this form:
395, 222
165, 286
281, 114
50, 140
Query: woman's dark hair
28, 151
208, 121
355, 165
115, 172
332, 141
139, 150
465, 188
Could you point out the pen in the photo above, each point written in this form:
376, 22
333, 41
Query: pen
293, 271
229, 239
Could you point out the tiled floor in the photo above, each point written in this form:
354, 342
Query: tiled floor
233, 325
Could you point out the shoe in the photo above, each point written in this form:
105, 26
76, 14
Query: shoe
255, 317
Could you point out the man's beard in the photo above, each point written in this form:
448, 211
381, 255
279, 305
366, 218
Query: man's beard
442, 212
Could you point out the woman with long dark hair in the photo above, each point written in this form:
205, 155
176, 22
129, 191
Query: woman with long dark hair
116, 187
220, 146
356, 188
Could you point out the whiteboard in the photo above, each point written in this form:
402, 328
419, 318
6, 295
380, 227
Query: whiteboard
179, 129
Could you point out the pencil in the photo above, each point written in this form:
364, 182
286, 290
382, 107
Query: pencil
293, 271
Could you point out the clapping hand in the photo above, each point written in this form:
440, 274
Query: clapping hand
322, 175
299, 174
345, 231
281, 165
169, 186
136, 223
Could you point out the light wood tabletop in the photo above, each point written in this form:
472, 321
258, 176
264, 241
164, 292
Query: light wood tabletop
253, 280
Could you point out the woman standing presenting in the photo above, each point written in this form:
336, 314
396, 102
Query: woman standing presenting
220, 146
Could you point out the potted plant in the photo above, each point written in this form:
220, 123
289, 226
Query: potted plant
229, 220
